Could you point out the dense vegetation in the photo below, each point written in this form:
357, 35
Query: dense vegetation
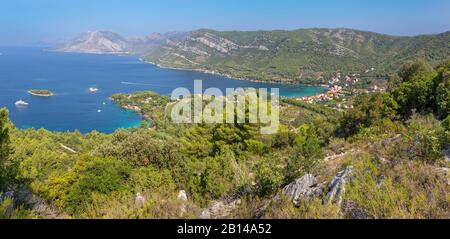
397, 144
306, 55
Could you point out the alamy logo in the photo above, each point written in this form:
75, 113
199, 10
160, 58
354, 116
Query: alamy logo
249, 105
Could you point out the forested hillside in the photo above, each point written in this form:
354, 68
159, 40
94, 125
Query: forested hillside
306, 55
387, 157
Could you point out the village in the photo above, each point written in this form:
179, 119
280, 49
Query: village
339, 87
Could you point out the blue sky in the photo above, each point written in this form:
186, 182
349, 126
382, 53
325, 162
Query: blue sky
30, 21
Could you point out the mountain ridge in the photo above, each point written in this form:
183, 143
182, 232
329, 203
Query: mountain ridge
303, 55
96, 42
108, 42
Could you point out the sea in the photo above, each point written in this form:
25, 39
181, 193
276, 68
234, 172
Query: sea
70, 76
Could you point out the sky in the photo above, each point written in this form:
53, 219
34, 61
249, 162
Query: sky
52, 21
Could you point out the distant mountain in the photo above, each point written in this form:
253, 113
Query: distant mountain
105, 42
142, 45
305, 55
97, 42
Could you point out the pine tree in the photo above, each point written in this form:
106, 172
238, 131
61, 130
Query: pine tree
5, 149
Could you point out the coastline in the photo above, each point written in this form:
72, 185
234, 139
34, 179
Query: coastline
210, 72
141, 59
287, 82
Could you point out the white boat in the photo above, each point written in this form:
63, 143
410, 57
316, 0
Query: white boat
21, 103
99, 111
93, 90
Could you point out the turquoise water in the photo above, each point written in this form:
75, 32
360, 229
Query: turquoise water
70, 76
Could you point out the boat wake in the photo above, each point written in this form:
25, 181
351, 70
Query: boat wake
133, 83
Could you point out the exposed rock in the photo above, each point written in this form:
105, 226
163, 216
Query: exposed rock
447, 154
219, 209
340, 155
182, 196
337, 186
132, 108
393, 140
217, 43
38, 205
334, 157
139, 200
305, 187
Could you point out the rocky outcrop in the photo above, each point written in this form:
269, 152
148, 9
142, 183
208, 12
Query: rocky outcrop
39, 206
139, 200
309, 187
182, 196
305, 187
446, 153
337, 186
215, 42
202, 43
220, 209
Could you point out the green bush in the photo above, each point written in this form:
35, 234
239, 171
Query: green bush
368, 110
95, 175
268, 176
426, 139
446, 123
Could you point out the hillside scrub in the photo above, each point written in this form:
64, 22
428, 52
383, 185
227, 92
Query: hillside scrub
395, 142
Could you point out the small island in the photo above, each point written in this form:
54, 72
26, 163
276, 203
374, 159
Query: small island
41, 93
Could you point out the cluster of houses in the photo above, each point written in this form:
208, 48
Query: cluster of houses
332, 93
346, 81
337, 85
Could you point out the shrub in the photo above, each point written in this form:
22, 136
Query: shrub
368, 110
268, 176
406, 190
95, 175
256, 147
309, 153
140, 148
5, 148
426, 139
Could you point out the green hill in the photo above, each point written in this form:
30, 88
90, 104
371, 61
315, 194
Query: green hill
306, 55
